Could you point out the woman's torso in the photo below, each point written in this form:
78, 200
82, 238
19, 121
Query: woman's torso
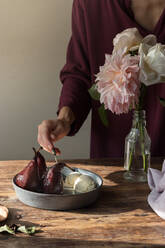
103, 20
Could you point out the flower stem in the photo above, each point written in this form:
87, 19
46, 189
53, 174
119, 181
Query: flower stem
140, 105
130, 158
141, 129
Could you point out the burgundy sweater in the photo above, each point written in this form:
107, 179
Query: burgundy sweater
94, 25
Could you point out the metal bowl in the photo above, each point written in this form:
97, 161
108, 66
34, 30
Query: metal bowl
60, 202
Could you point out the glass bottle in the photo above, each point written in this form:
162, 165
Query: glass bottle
137, 149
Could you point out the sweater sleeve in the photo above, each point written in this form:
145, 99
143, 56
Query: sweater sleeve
75, 75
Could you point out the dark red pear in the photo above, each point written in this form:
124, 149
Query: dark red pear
53, 181
40, 160
28, 177
31, 177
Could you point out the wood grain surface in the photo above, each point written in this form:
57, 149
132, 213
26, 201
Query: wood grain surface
121, 217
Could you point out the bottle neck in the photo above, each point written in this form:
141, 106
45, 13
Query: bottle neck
139, 117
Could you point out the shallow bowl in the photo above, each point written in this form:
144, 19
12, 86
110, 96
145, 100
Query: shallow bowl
63, 201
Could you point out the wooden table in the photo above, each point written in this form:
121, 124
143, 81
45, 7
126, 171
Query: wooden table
120, 218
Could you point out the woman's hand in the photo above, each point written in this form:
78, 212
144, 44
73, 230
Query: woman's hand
50, 131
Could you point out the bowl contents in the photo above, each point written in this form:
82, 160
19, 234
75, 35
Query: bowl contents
70, 180
31, 177
84, 183
79, 183
57, 179
3, 213
37, 177
53, 181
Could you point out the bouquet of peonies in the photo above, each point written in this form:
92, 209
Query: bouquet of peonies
135, 63
121, 83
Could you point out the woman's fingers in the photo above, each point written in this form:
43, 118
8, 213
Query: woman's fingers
58, 152
50, 131
44, 139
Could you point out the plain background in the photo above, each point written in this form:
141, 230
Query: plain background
33, 42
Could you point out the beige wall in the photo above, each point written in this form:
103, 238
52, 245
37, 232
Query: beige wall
33, 40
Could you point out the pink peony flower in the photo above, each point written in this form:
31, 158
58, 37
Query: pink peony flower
118, 82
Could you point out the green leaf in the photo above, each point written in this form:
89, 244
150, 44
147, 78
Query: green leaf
27, 230
13, 229
94, 93
162, 101
103, 115
6, 228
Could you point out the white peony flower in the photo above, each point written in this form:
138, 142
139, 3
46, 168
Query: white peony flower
128, 38
152, 63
